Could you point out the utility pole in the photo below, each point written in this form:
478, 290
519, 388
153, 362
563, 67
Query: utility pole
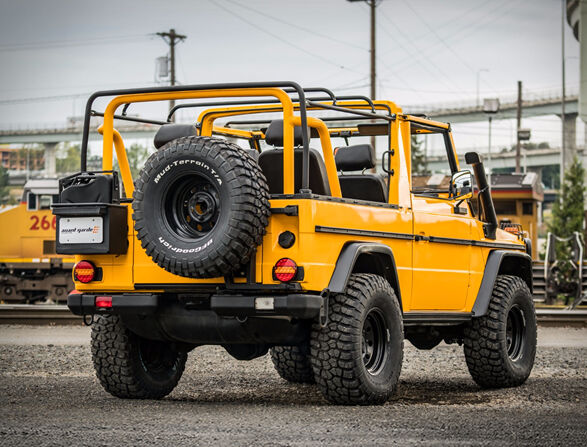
372, 5
171, 38
519, 119
563, 99
490, 107
373, 48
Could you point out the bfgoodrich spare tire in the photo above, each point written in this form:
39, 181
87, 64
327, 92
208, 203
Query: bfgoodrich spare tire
201, 206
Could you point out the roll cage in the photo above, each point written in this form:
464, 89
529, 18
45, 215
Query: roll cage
366, 118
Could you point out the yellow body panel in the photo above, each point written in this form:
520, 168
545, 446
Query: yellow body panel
438, 267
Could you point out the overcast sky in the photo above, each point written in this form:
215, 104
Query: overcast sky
54, 53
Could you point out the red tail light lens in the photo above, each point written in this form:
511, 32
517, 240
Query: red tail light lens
285, 270
103, 301
84, 271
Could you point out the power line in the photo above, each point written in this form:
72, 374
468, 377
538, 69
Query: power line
303, 28
450, 22
399, 32
276, 36
43, 98
73, 42
451, 49
410, 61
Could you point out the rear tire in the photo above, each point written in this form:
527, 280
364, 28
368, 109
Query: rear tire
132, 367
293, 363
501, 345
357, 356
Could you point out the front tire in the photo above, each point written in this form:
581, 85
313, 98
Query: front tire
357, 356
132, 367
501, 345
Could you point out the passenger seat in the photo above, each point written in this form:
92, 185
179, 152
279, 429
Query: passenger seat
271, 162
363, 186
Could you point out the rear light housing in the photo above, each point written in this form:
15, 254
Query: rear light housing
84, 272
285, 270
104, 302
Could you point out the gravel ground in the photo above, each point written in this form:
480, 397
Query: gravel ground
50, 396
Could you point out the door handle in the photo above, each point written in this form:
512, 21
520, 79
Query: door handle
421, 237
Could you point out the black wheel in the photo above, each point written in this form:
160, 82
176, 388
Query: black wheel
500, 346
292, 363
133, 367
201, 206
357, 357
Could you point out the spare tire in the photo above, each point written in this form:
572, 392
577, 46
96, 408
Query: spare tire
201, 206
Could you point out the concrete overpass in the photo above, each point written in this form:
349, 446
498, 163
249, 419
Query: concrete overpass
543, 103
538, 105
72, 133
532, 159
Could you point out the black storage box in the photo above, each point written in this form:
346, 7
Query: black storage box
91, 228
90, 219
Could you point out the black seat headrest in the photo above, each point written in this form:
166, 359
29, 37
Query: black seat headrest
170, 132
355, 158
274, 134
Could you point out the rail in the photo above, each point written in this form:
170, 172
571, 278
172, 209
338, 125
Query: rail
45, 314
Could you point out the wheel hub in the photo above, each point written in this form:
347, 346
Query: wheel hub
515, 332
192, 206
374, 341
201, 206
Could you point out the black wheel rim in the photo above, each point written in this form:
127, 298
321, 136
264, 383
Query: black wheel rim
374, 341
157, 358
192, 206
515, 332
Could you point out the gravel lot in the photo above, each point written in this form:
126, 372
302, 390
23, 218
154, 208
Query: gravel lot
50, 396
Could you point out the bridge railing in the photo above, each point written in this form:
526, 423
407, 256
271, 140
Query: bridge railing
529, 97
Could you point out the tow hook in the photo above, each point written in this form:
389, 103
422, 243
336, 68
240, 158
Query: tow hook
88, 321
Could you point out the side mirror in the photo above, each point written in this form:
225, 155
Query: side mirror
461, 185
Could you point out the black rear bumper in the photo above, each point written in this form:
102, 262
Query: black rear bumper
303, 306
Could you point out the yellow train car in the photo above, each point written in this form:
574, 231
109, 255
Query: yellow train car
517, 198
30, 270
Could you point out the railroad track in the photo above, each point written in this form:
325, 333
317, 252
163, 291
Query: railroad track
39, 314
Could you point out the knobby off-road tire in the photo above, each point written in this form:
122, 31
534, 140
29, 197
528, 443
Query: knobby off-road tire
357, 356
292, 363
132, 367
500, 346
201, 206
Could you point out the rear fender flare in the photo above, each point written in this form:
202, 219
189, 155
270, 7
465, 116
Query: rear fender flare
501, 262
364, 257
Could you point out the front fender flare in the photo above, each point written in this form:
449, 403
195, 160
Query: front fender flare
501, 262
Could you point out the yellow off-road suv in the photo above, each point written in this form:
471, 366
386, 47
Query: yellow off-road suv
237, 232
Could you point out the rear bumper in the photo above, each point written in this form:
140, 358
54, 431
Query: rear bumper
304, 306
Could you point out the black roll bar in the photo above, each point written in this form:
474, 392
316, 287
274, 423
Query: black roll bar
182, 88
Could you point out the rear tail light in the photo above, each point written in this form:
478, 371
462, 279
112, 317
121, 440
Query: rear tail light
285, 270
104, 301
84, 271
